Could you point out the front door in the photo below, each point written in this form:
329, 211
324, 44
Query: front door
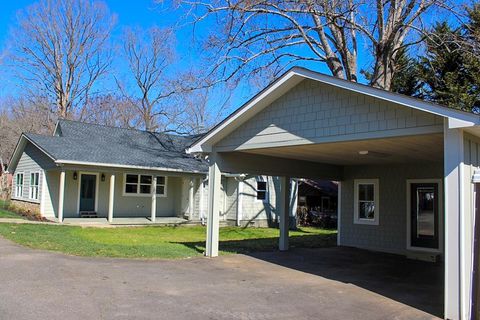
88, 185
424, 215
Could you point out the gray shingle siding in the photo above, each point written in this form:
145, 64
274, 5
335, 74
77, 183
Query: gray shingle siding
390, 234
316, 112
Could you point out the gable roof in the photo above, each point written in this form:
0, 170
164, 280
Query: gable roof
294, 76
91, 144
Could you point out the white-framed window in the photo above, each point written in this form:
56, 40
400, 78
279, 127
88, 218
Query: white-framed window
19, 185
366, 203
141, 185
262, 189
34, 185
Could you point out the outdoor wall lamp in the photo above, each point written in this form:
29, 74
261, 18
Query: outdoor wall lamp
75, 175
103, 176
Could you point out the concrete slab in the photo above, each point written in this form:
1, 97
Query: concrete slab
336, 283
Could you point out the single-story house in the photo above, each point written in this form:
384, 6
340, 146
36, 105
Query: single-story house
407, 169
96, 171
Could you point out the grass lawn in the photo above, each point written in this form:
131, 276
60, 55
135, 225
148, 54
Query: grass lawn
4, 213
156, 242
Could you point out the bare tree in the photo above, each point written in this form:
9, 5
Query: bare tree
60, 49
260, 34
149, 55
110, 110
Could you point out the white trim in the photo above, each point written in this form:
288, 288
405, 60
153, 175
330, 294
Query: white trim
376, 199
112, 165
97, 184
16, 196
138, 194
111, 197
339, 213
30, 187
440, 215
296, 75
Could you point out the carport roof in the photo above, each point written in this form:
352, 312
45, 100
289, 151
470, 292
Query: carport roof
456, 118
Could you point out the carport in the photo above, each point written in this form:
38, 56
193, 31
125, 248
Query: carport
404, 167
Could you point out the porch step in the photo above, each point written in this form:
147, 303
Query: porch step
88, 215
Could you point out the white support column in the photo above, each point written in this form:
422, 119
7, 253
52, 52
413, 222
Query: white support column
190, 198
453, 172
339, 213
294, 198
111, 198
61, 196
213, 215
153, 208
284, 221
240, 202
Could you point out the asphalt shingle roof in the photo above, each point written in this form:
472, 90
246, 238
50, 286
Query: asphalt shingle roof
84, 142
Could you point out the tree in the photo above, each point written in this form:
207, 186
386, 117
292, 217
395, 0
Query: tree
60, 49
149, 55
259, 34
450, 71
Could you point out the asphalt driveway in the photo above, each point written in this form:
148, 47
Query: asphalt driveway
332, 283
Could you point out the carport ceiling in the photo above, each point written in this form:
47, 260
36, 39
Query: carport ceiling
410, 149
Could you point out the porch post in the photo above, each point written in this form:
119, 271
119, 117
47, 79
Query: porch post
111, 198
153, 210
284, 213
213, 215
61, 195
190, 198
453, 173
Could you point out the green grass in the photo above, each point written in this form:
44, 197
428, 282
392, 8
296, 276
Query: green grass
155, 242
4, 213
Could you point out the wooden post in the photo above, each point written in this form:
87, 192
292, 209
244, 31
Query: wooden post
111, 198
61, 196
213, 219
284, 209
153, 210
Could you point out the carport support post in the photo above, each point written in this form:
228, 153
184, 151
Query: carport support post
153, 209
284, 222
111, 198
453, 173
61, 196
213, 215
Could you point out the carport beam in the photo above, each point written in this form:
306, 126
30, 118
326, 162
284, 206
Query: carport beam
284, 213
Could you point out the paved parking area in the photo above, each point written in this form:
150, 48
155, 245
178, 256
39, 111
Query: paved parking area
332, 283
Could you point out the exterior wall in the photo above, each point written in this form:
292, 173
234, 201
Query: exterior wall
32, 160
313, 112
253, 209
391, 233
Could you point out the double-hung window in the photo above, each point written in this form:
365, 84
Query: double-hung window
141, 184
366, 205
19, 185
34, 184
262, 190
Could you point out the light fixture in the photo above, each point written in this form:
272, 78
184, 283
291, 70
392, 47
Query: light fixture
75, 175
103, 176
363, 152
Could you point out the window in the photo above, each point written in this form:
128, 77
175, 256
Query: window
34, 182
140, 184
366, 208
19, 185
262, 190
161, 185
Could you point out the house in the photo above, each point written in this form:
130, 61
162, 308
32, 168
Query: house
406, 169
94, 171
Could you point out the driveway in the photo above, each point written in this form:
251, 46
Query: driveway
333, 283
